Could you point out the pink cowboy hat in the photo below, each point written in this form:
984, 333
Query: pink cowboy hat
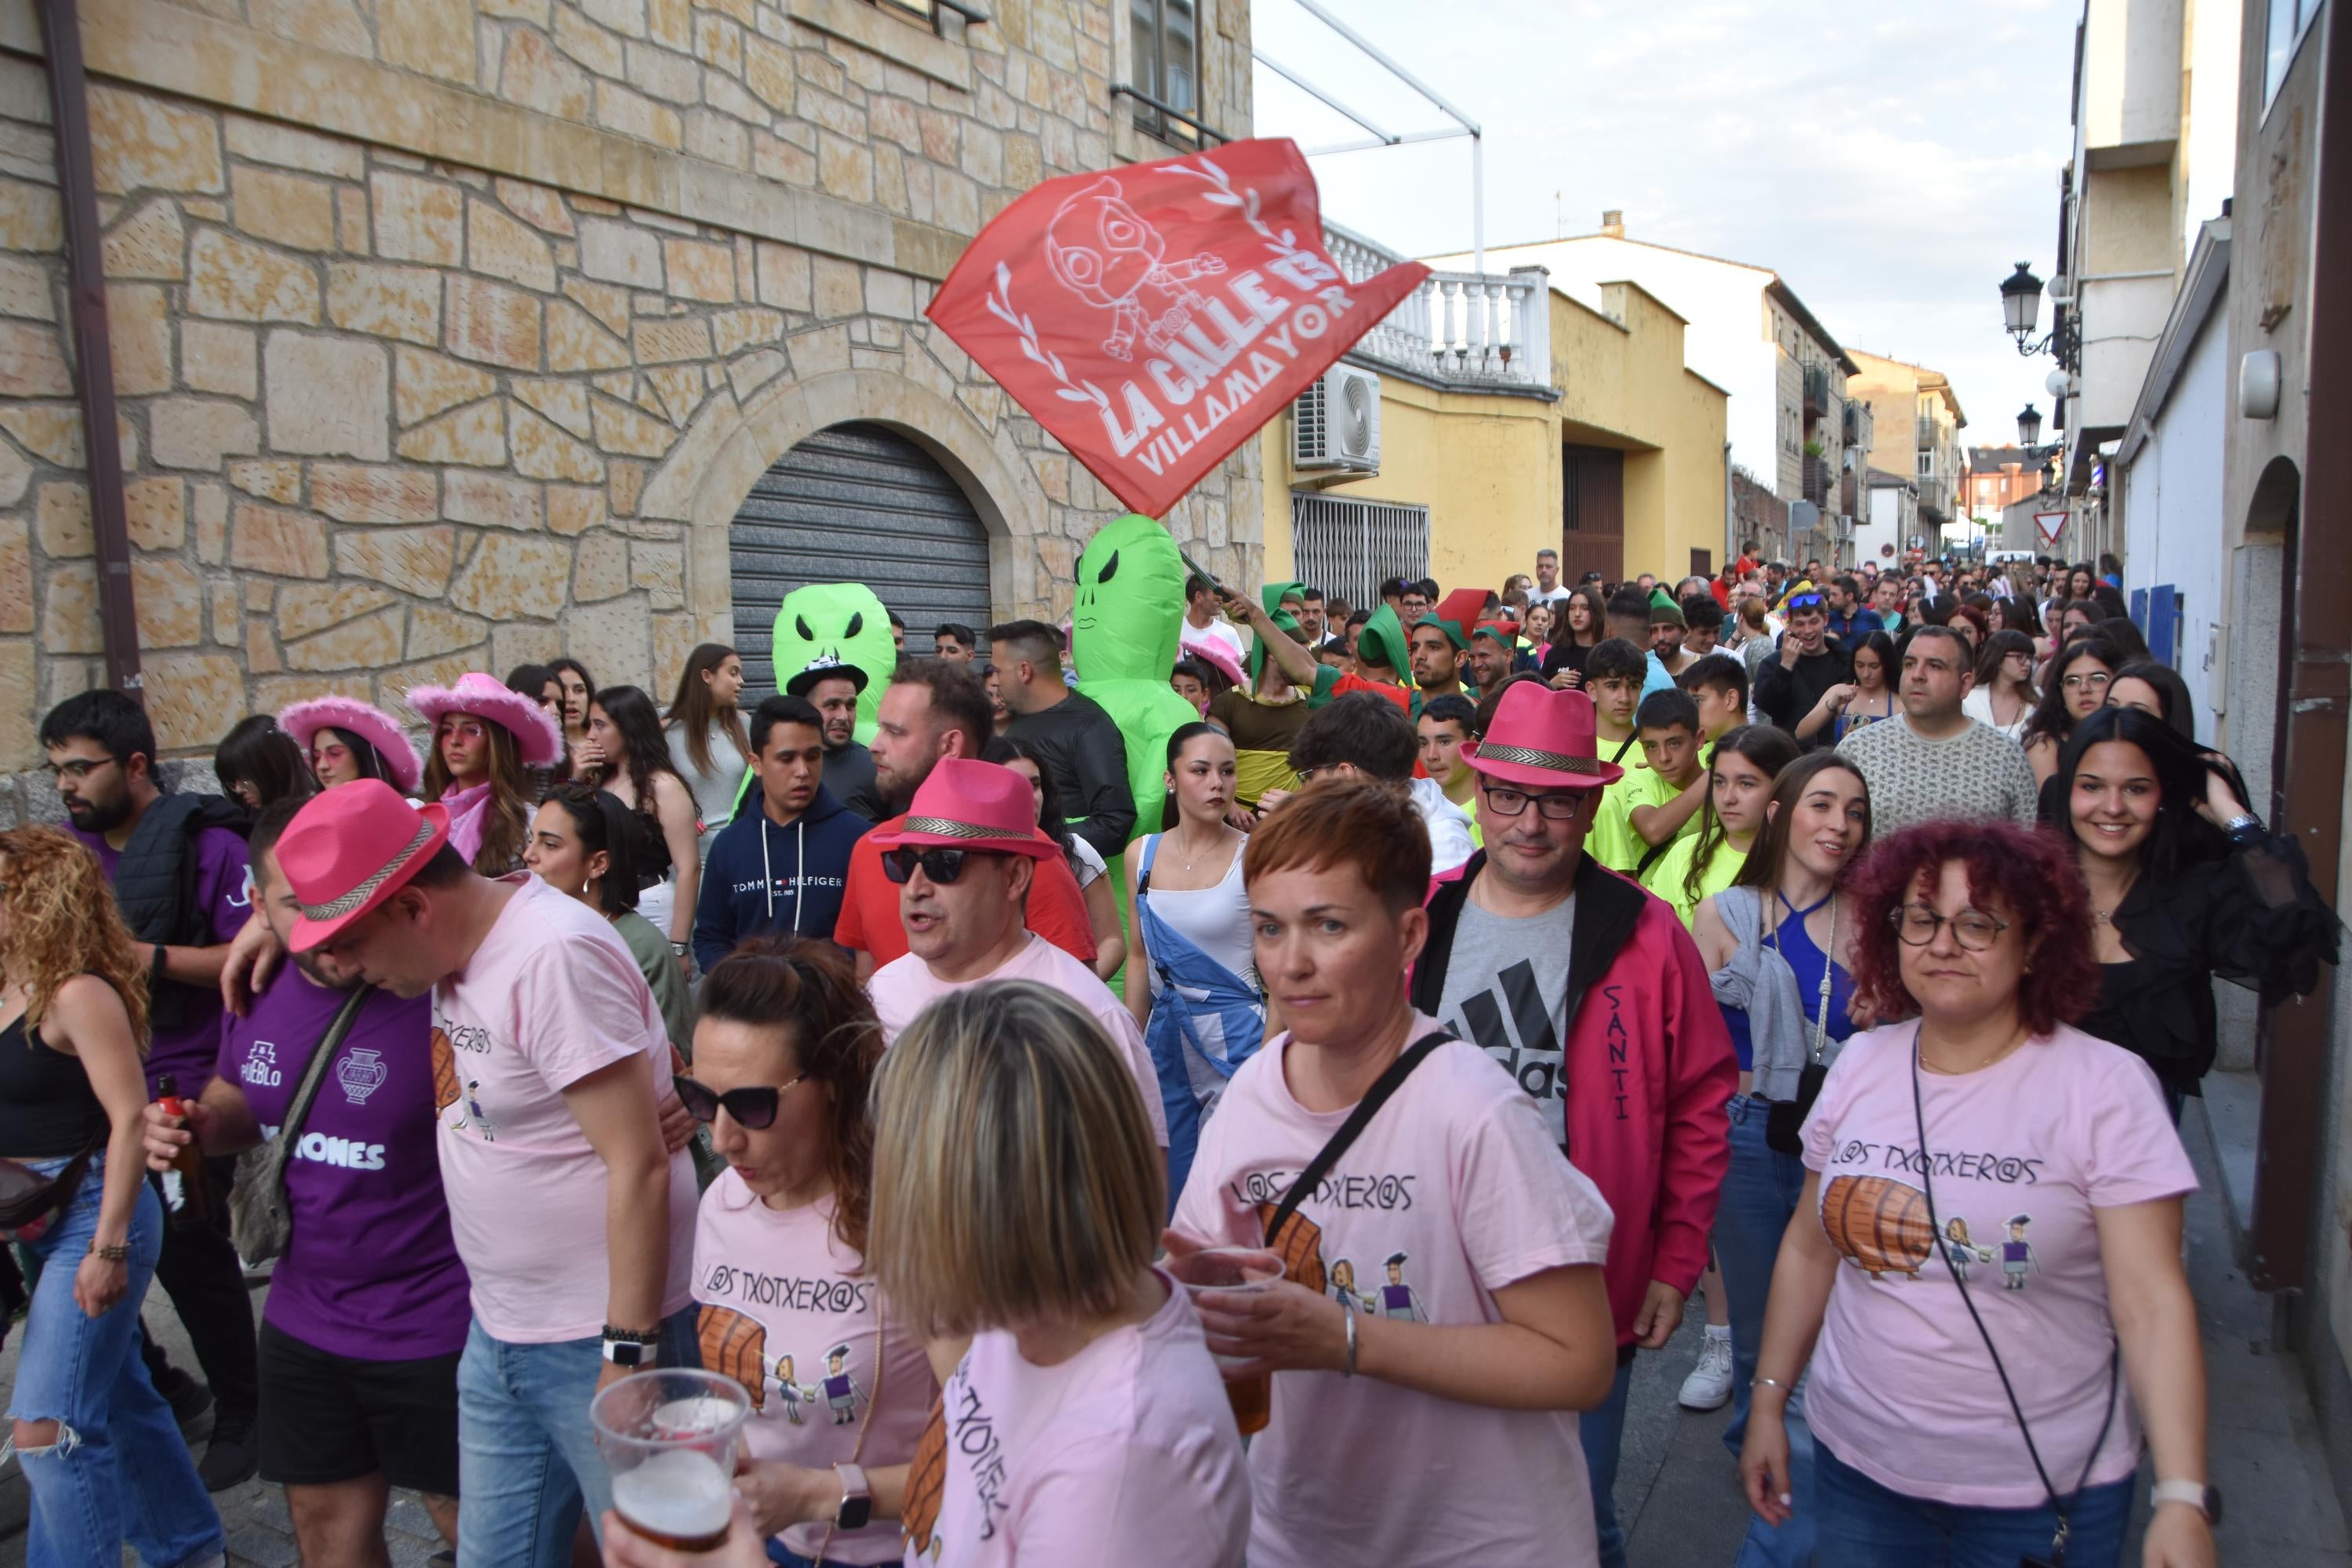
1209, 651
537, 739
372, 724
1545, 739
967, 805
349, 849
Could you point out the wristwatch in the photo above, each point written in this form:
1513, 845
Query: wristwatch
632, 1348
2205, 1499
856, 1498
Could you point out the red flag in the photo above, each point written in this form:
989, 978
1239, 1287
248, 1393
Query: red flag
1154, 317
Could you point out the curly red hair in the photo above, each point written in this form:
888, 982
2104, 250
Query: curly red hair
2028, 873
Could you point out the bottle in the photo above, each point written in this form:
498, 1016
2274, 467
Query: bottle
189, 1162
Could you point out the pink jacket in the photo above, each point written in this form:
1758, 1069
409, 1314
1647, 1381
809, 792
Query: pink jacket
1648, 1067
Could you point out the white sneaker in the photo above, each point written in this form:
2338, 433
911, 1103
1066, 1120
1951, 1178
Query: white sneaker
1709, 1386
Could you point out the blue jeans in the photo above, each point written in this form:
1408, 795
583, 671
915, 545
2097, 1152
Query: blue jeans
1602, 1432
119, 1471
1865, 1525
1760, 1191
527, 1458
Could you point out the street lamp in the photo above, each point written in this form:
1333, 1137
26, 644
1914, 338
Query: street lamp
2029, 426
2021, 308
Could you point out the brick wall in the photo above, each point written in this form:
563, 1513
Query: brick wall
436, 355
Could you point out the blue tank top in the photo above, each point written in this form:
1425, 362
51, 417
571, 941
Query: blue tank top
1805, 959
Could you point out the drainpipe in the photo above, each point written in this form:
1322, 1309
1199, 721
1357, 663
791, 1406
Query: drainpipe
93, 354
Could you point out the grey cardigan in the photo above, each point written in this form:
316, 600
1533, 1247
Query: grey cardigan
1758, 981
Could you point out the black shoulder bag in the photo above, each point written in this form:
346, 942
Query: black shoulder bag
261, 1221
2057, 1558
1387, 1084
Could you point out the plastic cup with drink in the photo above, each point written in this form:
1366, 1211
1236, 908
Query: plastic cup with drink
1227, 1271
671, 1439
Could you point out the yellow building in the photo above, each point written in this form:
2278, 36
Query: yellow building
1491, 417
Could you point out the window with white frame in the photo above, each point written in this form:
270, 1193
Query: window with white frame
2289, 21
1166, 36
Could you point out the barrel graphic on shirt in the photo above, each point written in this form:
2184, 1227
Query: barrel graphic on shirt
1300, 1245
735, 1346
1880, 1224
927, 1480
446, 1087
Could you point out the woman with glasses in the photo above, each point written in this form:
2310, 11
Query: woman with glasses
100, 1452
1193, 988
2073, 687
2186, 885
2003, 696
784, 1057
347, 739
1984, 1268
1778, 946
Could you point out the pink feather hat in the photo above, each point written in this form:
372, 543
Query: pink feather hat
370, 723
537, 739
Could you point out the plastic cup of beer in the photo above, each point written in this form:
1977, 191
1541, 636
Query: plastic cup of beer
1238, 1272
670, 1438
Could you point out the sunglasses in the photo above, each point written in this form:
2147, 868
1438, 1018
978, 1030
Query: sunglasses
941, 865
1803, 602
753, 1108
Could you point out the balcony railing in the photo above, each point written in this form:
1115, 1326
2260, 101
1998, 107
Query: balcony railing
1488, 331
1817, 389
1935, 503
1817, 480
1850, 424
1927, 435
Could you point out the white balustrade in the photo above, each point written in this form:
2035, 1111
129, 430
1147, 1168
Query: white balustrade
1475, 329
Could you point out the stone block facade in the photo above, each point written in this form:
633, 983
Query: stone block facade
450, 334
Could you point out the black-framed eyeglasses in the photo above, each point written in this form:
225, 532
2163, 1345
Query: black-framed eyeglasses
943, 866
1916, 925
79, 767
1560, 805
753, 1107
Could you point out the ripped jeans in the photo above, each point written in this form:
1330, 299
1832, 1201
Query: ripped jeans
119, 1472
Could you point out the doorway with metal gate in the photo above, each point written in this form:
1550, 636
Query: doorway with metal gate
1593, 512
855, 503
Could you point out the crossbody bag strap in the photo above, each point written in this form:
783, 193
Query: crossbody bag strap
1358, 1119
299, 1111
2061, 1507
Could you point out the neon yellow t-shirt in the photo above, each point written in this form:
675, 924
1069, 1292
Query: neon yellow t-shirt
1668, 874
1612, 841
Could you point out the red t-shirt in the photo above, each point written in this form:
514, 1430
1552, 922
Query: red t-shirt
869, 905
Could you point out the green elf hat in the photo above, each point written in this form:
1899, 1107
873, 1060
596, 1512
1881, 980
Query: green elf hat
1662, 600
1274, 593
1284, 622
1382, 640
1455, 613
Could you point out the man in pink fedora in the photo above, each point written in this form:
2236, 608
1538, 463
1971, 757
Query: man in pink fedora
574, 1223
963, 857
1586, 988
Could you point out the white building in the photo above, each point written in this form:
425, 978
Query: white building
1892, 521
1749, 334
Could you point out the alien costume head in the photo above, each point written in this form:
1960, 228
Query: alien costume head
1126, 622
844, 621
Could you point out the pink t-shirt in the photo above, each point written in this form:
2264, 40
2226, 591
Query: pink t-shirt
1454, 1191
1124, 1453
2020, 1156
551, 996
786, 1309
903, 987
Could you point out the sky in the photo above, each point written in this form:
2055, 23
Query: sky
1891, 162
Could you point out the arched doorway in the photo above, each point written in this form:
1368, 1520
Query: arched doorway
855, 503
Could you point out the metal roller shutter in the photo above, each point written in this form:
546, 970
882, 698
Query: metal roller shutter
855, 503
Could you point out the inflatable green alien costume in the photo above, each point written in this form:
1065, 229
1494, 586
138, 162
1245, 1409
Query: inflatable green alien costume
844, 621
1125, 622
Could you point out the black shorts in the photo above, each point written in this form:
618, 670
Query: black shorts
327, 1418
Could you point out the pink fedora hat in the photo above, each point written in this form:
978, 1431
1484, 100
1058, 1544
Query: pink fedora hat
537, 739
349, 849
966, 805
372, 724
1544, 738
1209, 651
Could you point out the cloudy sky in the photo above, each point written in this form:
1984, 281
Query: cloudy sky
1891, 162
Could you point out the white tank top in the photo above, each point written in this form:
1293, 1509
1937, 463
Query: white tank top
1214, 919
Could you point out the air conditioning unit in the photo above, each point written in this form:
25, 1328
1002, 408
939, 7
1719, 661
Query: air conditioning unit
1845, 526
1336, 422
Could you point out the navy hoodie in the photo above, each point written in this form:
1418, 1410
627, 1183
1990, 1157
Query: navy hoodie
760, 878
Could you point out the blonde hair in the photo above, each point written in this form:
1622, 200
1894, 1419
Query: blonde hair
61, 921
1015, 1178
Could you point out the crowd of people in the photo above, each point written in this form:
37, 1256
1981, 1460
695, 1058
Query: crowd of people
1063, 1133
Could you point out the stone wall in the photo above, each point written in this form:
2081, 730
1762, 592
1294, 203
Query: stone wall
435, 357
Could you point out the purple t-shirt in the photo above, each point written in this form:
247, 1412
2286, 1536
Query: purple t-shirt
372, 1271
186, 1050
